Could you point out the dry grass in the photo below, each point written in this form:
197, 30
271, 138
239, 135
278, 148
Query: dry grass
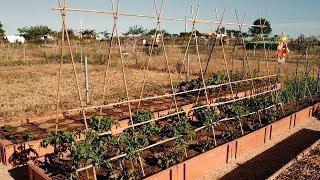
28, 90
28, 87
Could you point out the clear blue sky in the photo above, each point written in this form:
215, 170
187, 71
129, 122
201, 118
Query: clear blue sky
291, 16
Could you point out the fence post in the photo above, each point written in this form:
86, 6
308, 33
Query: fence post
86, 74
188, 67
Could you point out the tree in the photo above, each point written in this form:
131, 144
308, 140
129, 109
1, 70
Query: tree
88, 33
106, 34
2, 32
71, 33
303, 42
34, 33
236, 33
257, 30
153, 31
187, 34
233, 32
135, 30
221, 30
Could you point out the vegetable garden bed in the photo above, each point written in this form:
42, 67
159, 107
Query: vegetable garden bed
20, 142
229, 145
224, 153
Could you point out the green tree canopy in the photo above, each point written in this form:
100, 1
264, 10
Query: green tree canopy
221, 30
71, 33
187, 34
233, 32
236, 33
153, 31
2, 32
106, 34
35, 32
257, 30
89, 32
135, 30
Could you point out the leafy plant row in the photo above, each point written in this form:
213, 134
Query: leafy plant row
214, 79
99, 150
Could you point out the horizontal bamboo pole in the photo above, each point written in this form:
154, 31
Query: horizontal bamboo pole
169, 95
204, 21
232, 118
84, 168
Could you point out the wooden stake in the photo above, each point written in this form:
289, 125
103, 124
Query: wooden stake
141, 165
214, 135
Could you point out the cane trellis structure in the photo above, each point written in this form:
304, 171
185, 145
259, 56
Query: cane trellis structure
133, 105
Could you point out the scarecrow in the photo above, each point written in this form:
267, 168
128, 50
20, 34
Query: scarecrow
282, 49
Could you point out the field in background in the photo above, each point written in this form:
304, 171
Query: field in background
28, 73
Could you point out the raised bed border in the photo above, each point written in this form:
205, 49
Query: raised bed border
36, 173
219, 156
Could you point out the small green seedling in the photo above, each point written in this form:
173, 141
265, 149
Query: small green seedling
7, 128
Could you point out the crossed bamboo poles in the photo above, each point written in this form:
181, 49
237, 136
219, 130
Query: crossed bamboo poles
115, 35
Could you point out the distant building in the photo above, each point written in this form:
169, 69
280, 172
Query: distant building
48, 38
15, 39
221, 37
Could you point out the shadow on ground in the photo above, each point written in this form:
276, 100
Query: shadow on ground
19, 173
268, 162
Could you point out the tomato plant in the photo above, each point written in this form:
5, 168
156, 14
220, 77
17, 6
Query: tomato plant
61, 141
216, 78
101, 123
29, 137
7, 128
92, 150
206, 116
237, 75
189, 85
204, 146
149, 129
229, 136
131, 142
165, 161
183, 133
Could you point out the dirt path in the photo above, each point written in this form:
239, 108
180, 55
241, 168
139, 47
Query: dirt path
268, 162
308, 167
4, 174
265, 161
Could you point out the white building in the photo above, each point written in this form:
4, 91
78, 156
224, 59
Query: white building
48, 38
15, 39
